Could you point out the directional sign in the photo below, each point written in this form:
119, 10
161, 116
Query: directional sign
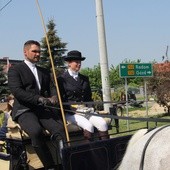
136, 70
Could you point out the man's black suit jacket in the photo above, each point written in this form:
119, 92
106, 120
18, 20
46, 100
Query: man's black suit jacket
23, 86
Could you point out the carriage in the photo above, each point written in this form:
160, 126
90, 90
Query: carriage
96, 155
78, 154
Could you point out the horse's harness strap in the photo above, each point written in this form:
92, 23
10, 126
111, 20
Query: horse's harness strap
146, 145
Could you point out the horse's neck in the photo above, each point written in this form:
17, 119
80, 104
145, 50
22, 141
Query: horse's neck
137, 136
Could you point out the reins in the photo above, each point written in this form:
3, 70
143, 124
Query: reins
111, 116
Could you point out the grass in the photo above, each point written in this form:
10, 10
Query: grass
131, 126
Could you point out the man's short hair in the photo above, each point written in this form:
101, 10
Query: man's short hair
31, 42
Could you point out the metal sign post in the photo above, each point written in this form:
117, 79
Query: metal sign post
146, 99
130, 70
127, 111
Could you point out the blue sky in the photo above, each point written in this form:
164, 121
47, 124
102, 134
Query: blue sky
135, 29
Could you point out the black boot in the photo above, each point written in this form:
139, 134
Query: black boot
45, 156
59, 141
87, 135
103, 135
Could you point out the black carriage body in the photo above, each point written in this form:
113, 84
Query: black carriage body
97, 155
16, 150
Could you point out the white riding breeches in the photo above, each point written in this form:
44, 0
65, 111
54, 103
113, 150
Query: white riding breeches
88, 124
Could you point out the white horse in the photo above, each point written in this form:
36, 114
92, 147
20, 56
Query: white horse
148, 151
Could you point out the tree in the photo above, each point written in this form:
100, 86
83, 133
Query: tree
115, 79
57, 48
94, 75
4, 90
159, 84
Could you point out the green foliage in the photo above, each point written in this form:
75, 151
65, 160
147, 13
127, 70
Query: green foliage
3, 77
116, 96
94, 75
57, 48
96, 96
114, 76
4, 90
159, 85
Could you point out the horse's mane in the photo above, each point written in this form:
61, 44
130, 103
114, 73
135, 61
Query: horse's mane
139, 134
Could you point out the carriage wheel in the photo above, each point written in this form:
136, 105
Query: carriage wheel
119, 111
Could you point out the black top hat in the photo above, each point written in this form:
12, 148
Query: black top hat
74, 55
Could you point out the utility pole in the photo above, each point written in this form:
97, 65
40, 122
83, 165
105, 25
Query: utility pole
103, 55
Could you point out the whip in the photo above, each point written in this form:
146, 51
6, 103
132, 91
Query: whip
54, 73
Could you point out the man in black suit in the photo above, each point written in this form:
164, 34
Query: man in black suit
75, 87
33, 89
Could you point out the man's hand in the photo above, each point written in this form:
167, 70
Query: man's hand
53, 100
44, 101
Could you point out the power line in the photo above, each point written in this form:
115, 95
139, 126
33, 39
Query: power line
5, 5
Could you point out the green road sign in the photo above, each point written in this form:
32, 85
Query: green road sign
136, 70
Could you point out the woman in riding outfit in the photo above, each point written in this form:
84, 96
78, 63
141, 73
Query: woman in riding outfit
75, 87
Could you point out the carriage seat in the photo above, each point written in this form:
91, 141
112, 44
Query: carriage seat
18, 139
15, 131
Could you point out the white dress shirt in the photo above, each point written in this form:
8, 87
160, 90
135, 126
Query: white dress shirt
33, 68
74, 74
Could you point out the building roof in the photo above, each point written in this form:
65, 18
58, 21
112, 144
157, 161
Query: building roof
11, 61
